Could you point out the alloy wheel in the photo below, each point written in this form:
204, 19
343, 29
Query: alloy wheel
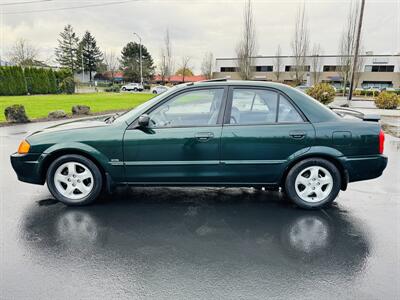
73, 180
314, 184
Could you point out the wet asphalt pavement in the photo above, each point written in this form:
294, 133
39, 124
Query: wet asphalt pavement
164, 243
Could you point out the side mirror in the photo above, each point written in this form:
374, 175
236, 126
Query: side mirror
144, 120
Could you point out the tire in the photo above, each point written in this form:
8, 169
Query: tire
74, 180
313, 183
154, 92
135, 89
124, 89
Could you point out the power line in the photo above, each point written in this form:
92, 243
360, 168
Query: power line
67, 8
24, 2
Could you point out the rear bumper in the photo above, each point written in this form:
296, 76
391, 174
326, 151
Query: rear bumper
27, 167
364, 168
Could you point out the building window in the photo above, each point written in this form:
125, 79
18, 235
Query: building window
228, 69
379, 68
332, 68
263, 68
293, 68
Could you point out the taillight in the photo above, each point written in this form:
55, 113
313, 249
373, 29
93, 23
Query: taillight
381, 141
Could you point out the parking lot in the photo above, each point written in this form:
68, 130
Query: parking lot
200, 243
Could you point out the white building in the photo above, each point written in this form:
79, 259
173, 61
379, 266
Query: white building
374, 70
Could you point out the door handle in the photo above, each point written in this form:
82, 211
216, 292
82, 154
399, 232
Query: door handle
297, 134
204, 136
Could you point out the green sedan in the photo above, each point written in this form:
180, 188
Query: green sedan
214, 133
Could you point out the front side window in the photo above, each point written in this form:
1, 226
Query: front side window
193, 108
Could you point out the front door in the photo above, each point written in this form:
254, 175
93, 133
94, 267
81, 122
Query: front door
182, 143
262, 131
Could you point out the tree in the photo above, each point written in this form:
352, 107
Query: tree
111, 63
166, 62
278, 63
23, 53
185, 72
67, 50
316, 62
184, 67
300, 44
89, 53
347, 45
130, 61
207, 65
246, 48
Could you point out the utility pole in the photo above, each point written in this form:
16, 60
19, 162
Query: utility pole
140, 59
356, 52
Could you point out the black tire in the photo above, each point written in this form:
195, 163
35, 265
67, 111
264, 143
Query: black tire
290, 180
124, 88
154, 92
97, 179
135, 89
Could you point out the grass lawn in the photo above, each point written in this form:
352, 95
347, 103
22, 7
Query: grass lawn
38, 106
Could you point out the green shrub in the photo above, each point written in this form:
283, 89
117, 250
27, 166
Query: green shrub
387, 100
114, 89
323, 92
67, 86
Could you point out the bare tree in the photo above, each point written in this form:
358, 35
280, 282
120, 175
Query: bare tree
166, 62
316, 62
347, 44
184, 66
246, 48
23, 53
300, 45
207, 65
278, 63
112, 63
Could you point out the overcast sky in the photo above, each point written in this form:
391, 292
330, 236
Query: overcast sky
195, 26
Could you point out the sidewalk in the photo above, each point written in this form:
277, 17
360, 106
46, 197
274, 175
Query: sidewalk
366, 107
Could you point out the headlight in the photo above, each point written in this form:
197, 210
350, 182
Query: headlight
24, 147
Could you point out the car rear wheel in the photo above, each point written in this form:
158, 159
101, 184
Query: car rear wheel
124, 88
313, 183
74, 180
135, 89
154, 92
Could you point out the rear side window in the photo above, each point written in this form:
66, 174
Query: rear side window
253, 106
257, 106
287, 113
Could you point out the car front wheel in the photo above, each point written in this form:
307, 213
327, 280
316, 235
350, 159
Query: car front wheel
74, 180
313, 183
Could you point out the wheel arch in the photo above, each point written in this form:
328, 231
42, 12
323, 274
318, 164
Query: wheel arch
329, 157
52, 156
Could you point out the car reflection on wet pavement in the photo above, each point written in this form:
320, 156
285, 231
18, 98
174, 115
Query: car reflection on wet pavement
205, 243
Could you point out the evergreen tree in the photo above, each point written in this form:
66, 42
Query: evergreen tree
67, 50
52, 82
89, 53
130, 60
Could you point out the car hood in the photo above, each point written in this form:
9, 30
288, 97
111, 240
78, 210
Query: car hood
74, 125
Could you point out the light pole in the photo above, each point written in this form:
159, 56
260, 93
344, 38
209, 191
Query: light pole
140, 59
356, 53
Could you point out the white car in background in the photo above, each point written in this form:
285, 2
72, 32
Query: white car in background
159, 89
133, 86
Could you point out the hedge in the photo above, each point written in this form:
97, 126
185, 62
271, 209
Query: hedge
18, 81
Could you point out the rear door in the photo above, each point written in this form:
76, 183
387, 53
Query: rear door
262, 129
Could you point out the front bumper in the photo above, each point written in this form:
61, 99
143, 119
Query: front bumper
364, 168
28, 167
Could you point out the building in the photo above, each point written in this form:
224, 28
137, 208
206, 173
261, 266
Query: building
377, 71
